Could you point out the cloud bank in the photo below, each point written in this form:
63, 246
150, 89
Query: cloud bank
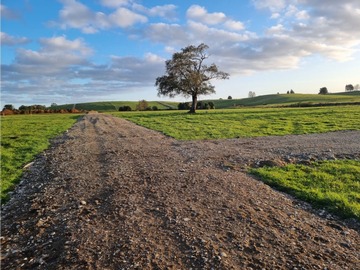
64, 67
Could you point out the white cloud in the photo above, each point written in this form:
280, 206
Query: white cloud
124, 17
166, 11
11, 40
273, 5
199, 13
234, 25
115, 3
56, 56
77, 15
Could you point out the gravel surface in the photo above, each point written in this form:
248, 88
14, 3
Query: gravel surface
109, 194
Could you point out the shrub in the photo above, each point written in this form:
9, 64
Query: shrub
124, 108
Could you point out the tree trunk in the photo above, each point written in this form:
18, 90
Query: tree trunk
193, 105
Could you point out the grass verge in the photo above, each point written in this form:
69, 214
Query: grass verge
22, 138
333, 185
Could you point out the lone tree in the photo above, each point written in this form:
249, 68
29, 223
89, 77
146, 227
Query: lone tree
323, 91
188, 75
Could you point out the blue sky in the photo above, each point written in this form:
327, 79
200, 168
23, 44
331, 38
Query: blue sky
73, 51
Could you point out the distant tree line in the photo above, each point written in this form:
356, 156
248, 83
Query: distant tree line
201, 105
9, 109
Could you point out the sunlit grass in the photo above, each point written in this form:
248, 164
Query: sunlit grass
334, 185
235, 123
22, 138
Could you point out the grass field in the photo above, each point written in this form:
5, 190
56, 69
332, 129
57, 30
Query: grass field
22, 138
334, 185
287, 100
108, 106
220, 124
266, 100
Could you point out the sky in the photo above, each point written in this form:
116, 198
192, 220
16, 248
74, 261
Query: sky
74, 51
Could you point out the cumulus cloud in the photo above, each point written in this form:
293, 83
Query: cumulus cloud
11, 40
124, 14
200, 14
62, 69
56, 57
166, 11
77, 15
124, 17
300, 28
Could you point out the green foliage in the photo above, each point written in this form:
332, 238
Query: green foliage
252, 122
142, 105
124, 108
22, 138
334, 185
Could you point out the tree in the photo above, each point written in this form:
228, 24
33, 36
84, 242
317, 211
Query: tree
125, 108
323, 91
251, 94
292, 91
349, 87
188, 75
357, 87
9, 107
143, 105
211, 105
229, 97
184, 106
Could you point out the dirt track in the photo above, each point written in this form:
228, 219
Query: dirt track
113, 195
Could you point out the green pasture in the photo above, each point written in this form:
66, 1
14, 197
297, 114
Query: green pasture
288, 100
334, 185
108, 106
250, 122
275, 100
22, 138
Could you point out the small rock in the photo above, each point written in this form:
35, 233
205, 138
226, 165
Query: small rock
186, 219
223, 254
83, 202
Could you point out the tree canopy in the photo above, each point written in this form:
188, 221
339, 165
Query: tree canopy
187, 74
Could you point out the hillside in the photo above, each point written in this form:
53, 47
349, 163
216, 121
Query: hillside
266, 100
104, 106
288, 99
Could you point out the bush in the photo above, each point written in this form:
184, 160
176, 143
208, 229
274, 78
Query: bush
124, 109
184, 106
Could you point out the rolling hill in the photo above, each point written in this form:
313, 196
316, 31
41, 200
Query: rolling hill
276, 100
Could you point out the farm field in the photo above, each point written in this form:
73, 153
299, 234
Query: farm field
277, 100
22, 138
250, 122
108, 106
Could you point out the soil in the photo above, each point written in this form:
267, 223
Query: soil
109, 194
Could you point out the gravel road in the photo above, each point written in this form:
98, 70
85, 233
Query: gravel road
109, 194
